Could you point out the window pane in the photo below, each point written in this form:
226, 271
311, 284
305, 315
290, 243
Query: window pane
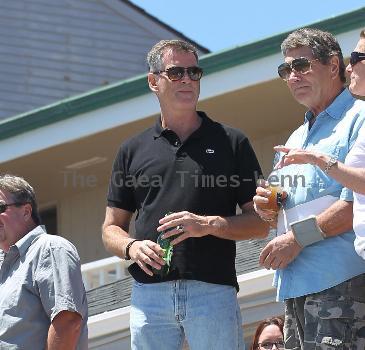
49, 219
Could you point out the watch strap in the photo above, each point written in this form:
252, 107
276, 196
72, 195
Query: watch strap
128, 247
331, 163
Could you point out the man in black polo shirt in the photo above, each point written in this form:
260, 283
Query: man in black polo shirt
198, 171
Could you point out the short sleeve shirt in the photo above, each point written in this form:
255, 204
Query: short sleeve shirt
40, 276
210, 173
334, 133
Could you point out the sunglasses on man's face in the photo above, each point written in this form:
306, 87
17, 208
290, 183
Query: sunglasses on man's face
177, 73
300, 65
356, 57
4, 206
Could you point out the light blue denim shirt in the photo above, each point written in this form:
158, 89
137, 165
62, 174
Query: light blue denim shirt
332, 261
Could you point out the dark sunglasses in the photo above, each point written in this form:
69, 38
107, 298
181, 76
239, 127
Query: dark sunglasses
269, 345
300, 65
4, 206
177, 73
356, 57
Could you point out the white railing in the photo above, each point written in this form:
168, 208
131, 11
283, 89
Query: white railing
104, 271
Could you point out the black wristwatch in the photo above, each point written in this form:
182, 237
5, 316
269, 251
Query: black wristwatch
126, 255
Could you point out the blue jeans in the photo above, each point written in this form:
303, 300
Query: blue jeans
163, 314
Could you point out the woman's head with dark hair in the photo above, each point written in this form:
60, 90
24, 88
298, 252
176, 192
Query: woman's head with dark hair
268, 331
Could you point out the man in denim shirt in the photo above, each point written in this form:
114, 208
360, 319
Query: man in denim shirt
319, 274
42, 297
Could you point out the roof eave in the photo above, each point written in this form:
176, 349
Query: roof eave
137, 86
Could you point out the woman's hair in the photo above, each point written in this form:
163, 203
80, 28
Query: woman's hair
277, 321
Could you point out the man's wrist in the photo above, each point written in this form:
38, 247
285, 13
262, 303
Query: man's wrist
321, 161
326, 163
272, 221
291, 236
128, 247
218, 225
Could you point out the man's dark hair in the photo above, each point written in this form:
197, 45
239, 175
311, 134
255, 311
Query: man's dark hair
154, 57
323, 45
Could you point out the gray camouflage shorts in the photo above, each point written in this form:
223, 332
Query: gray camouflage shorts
333, 319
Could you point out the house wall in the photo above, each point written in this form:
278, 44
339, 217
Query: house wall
80, 218
54, 49
264, 148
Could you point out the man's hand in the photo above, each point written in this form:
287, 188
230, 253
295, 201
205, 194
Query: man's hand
147, 254
185, 224
300, 156
261, 201
279, 252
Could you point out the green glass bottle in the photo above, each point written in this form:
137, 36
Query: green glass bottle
168, 248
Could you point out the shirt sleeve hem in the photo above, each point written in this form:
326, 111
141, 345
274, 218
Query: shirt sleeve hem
68, 307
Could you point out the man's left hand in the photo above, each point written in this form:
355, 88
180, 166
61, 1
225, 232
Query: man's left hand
279, 252
184, 224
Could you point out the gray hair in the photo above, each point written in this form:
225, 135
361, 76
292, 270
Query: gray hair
154, 57
21, 192
323, 45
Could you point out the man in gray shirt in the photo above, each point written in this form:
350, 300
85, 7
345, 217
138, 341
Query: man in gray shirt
42, 298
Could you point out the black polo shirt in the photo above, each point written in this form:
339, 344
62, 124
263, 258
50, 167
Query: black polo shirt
209, 174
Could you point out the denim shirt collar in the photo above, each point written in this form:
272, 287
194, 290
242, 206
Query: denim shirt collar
336, 108
25, 242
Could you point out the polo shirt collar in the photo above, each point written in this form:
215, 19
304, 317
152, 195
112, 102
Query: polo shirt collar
25, 242
159, 130
336, 108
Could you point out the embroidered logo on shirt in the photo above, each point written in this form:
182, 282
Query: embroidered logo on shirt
209, 151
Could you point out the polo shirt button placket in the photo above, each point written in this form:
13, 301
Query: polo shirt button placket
179, 155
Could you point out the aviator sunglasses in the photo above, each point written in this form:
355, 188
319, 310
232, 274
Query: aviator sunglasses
269, 345
300, 65
4, 206
356, 57
177, 73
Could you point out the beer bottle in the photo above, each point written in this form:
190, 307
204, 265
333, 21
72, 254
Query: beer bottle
168, 248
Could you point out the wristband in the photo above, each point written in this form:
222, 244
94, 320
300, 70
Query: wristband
307, 231
126, 255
